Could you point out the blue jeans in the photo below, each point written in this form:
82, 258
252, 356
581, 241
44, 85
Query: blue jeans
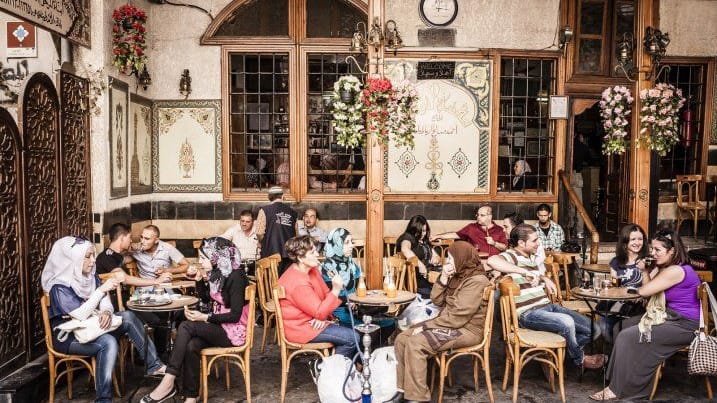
105, 349
574, 327
343, 338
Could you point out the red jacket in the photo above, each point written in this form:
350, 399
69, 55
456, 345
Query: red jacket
475, 234
307, 298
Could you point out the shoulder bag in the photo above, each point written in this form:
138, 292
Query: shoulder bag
86, 330
702, 357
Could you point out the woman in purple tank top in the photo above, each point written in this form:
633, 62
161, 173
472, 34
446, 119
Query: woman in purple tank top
636, 355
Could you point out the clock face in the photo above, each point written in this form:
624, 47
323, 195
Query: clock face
439, 13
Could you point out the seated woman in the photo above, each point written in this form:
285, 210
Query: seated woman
416, 241
668, 325
309, 303
222, 280
75, 293
520, 179
627, 266
339, 245
459, 291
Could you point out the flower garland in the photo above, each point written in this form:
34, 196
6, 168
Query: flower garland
348, 115
659, 113
128, 33
615, 111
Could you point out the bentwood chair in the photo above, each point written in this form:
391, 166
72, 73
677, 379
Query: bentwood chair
404, 272
72, 362
267, 276
525, 345
289, 349
237, 355
688, 199
576, 305
480, 352
390, 242
702, 294
442, 245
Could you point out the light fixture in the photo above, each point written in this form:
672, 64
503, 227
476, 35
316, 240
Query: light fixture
543, 97
655, 43
144, 80
564, 37
623, 53
376, 38
185, 84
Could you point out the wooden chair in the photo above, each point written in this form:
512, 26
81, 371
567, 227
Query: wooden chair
289, 350
702, 294
565, 262
442, 245
524, 345
196, 244
480, 352
688, 199
396, 265
576, 305
55, 358
390, 243
404, 272
172, 242
267, 275
237, 355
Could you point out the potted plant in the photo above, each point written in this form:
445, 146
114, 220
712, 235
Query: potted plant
659, 113
128, 39
347, 111
615, 112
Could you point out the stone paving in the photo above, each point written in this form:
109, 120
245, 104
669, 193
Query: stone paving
676, 385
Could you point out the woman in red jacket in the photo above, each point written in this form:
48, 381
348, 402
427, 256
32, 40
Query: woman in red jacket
309, 303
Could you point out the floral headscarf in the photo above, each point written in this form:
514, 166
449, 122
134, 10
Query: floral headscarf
225, 258
339, 263
64, 267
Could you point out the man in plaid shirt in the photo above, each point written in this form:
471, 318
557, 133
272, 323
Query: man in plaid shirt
550, 233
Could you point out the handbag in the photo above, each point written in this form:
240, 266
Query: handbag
86, 330
702, 356
570, 247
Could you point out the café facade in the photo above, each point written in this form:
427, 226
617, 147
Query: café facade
238, 96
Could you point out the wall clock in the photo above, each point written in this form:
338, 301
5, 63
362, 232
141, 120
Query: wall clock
438, 13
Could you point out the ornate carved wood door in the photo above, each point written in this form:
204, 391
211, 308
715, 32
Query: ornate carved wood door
13, 290
41, 134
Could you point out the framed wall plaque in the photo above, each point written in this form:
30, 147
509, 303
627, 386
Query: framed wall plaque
558, 107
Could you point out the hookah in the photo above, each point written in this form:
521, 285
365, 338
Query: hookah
366, 328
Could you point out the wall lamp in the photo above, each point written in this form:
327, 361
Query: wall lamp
564, 37
144, 80
185, 84
654, 43
376, 37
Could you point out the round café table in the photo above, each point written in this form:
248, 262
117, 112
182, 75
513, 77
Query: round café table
379, 298
600, 268
592, 300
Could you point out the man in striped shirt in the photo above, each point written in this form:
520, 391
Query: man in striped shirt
534, 309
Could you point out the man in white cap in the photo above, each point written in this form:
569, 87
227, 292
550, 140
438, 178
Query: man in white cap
276, 224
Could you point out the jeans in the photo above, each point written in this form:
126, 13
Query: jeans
106, 347
574, 327
344, 339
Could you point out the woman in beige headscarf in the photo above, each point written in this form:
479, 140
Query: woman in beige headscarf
521, 179
459, 324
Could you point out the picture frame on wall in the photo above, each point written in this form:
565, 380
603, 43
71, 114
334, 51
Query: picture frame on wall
118, 119
140, 139
532, 149
186, 146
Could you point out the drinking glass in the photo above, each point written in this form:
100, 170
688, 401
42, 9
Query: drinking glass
606, 284
597, 283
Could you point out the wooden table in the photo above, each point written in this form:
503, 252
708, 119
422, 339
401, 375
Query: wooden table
379, 298
175, 305
601, 268
178, 284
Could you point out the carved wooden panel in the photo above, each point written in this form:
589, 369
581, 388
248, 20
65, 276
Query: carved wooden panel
40, 125
75, 160
13, 340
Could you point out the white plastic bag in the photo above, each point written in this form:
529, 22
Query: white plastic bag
330, 381
419, 310
383, 374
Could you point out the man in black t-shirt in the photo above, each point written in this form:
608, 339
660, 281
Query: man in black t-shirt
275, 224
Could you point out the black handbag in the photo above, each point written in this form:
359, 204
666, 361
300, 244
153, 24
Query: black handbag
570, 247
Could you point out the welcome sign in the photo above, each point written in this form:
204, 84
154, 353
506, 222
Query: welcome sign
69, 18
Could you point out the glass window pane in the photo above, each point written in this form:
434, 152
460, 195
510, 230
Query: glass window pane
589, 55
332, 19
258, 18
591, 18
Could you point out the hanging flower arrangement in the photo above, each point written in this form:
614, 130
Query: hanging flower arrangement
615, 112
128, 39
659, 114
375, 98
347, 111
403, 107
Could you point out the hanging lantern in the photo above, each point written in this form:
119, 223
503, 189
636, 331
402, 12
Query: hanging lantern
688, 126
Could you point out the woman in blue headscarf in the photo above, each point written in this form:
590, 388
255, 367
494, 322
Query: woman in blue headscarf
339, 245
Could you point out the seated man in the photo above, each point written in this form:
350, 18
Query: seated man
155, 257
244, 237
309, 226
533, 306
484, 234
550, 233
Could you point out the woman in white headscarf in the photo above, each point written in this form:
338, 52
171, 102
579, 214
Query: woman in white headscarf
223, 281
520, 178
75, 293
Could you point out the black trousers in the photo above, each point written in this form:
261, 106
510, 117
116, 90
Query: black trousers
192, 337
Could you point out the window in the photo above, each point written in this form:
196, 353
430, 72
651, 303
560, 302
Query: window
685, 156
331, 167
257, 18
526, 141
259, 120
331, 19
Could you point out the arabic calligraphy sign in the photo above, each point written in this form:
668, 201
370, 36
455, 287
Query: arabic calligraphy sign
435, 70
69, 18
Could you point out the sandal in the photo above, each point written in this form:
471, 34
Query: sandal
170, 395
603, 395
159, 372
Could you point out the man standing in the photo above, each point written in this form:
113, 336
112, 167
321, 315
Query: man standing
245, 239
276, 224
532, 305
155, 257
550, 233
484, 234
310, 226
